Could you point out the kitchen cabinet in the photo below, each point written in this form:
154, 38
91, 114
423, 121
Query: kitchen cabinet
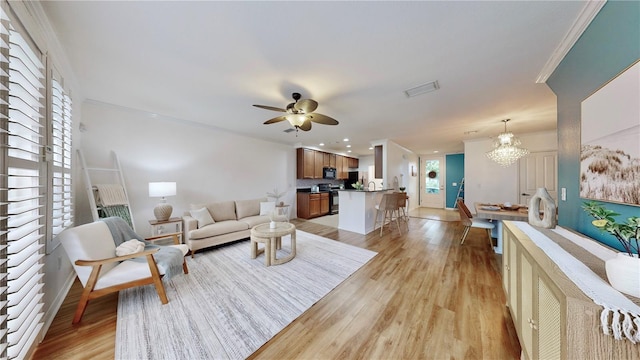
305, 167
318, 165
326, 160
339, 173
553, 318
312, 205
377, 161
311, 162
324, 203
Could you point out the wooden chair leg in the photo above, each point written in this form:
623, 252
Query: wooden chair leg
86, 294
157, 281
464, 234
185, 269
375, 222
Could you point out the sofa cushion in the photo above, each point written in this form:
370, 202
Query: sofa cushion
252, 221
246, 208
266, 208
203, 216
220, 211
219, 228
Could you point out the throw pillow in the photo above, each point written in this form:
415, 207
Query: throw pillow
266, 208
203, 216
130, 247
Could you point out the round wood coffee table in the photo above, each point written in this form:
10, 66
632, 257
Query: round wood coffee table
272, 239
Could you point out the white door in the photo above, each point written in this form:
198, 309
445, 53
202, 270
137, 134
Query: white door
432, 170
538, 170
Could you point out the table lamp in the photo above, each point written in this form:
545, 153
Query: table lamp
162, 211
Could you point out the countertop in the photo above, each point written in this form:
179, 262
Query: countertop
365, 190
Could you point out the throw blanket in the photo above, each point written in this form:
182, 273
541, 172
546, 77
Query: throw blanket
620, 316
121, 211
111, 194
169, 257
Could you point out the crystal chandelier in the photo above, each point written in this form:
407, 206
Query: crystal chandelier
506, 150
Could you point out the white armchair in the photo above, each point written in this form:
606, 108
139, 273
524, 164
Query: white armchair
92, 252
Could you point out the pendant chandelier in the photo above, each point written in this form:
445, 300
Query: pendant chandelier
506, 150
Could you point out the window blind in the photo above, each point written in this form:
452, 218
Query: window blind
21, 113
61, 191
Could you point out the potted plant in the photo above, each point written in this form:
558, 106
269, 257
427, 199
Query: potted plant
623, 271
358, 186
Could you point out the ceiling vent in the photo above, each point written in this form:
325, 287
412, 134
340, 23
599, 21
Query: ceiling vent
422, 89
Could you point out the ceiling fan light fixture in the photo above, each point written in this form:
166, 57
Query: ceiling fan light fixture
422, 89
296, 120
506, 148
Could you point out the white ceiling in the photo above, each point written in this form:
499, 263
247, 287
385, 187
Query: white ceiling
208, 62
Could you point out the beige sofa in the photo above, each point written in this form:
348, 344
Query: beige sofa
232, 220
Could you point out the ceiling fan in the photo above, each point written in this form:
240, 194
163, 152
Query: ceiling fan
300, 113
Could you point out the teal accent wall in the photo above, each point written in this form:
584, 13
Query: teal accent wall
610, 44
455, 173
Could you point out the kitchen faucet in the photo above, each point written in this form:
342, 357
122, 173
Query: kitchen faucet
374, 185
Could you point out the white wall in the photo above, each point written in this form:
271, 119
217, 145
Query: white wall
208, 164
486, 181
397, 162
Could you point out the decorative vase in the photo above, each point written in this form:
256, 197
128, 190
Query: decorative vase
623, 273
548, 220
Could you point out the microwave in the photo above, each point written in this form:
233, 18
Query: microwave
328, 173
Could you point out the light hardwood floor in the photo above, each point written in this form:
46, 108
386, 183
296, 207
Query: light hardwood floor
422, 297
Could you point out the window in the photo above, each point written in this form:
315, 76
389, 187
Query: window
61, 190
35, 185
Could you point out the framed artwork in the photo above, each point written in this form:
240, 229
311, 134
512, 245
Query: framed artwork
610, 140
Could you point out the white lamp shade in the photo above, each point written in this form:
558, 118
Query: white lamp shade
162, 189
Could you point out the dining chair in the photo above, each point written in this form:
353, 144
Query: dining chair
390, 209
402, 205
469, 221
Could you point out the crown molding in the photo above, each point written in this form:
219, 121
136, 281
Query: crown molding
589, 11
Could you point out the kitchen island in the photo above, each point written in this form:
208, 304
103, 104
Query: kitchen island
358, 210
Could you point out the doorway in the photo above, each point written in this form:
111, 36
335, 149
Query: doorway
432, 170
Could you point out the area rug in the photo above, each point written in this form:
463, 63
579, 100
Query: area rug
229, 304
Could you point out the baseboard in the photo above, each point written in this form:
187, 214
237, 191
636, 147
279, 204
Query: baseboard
55, 306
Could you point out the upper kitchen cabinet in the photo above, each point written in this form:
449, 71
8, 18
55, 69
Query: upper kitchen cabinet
306, 159
311, 162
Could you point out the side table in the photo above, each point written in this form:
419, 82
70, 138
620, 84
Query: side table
173, 225
282, 211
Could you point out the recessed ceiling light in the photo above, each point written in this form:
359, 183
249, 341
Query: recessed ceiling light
370, 147
348, 146
321, 144
348, 151
345, 139
422, 89
435, 151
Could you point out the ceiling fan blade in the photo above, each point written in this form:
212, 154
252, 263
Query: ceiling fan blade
306, 126
322, 119
306, 105
270, 108
275, 120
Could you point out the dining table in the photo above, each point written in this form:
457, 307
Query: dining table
499, 213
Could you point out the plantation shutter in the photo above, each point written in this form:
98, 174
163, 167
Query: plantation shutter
21, 113
61, 129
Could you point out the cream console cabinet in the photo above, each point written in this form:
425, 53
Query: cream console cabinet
554, 319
